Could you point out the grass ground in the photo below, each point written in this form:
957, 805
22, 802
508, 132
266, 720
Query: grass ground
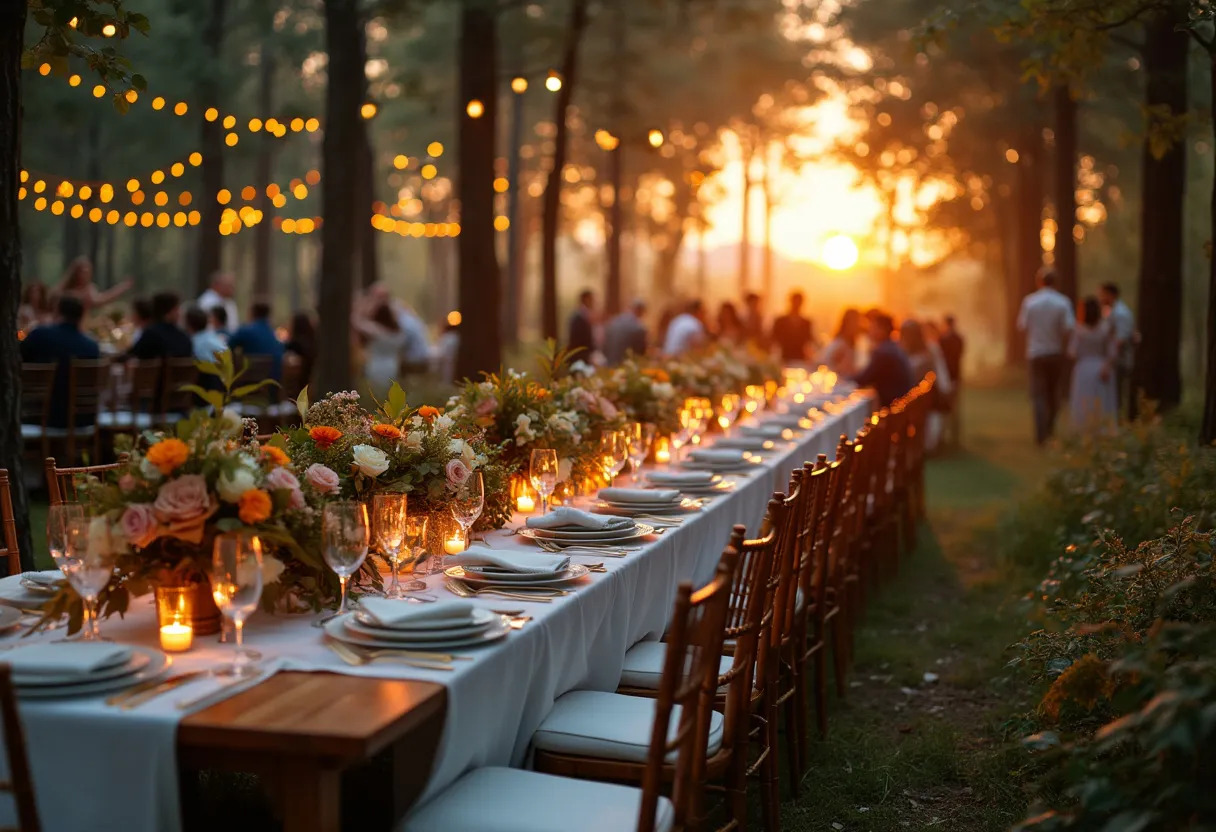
917, 743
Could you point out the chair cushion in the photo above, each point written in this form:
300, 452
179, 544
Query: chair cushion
124, 419
31, 431
611, 726
511, 800
63, 433
644, 665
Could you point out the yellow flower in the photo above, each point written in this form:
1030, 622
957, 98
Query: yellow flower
428, 413
275, 455
324, 436
386, 431
168, 455
255, 506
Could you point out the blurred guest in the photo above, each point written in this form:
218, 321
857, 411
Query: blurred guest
141, 316
206, 342
840, 355
78, 283
1094, 348
416, 340
302, 342
686, 332
383, 339
889, 371
218, 320
792, 333
626, 333
580, 331
58, 343
1047, 319
730, 325
952, 345
926, 357
753, 320
443, 360
163, 338
222, 294
258, 338
1123, 327
35, 308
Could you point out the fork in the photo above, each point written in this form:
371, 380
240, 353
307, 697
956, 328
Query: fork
465, 591
357, 657
582, 547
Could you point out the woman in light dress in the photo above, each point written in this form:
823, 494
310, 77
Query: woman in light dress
78, 283
383, 339
1092, 401
840, 355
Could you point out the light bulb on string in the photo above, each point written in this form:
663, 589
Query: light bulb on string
475, 108
553, 82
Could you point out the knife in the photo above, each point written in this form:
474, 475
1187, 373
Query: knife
137, 695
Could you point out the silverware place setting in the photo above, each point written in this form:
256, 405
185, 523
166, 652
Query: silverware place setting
540, 595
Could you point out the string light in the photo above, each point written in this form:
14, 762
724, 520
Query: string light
368, 110
434, 150
553, 82
475, 108
655, 137
519, 84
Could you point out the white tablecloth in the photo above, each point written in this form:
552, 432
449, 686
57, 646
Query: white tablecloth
102, 769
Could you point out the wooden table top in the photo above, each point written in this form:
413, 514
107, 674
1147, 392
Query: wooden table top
328, 715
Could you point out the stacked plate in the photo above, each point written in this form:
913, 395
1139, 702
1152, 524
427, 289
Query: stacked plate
82, 668
630, 502
745, 442
30, 590
723, 460
694, 483
568, 526
403, 625
767, 430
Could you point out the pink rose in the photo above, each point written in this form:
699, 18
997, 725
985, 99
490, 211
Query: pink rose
457, 472
323, 479
127, 483
139, 524
607, 408
183, 499
282, 478
487, 406
297, 499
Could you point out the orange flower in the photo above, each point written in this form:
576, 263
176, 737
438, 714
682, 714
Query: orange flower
254, 506
276, 455
168, 455
657, 373
324, 435
386, 431
428, 413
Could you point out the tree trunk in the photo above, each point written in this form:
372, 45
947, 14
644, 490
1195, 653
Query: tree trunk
745, 226
480, 331
12, 27
1066, 190
1010, 276
513, 273
1207, 430
667, 259
369, 260
1158, 374
553, 188
103, 277
263, 262
612, 289
766, 269
339, 193
211, 138
1029, 250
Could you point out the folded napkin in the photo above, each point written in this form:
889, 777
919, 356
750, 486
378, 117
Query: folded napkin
66, 657
519, 563
49, 578
640, 495
768, 431
746, 443
391, 613
714, 455
692, 479
566, 517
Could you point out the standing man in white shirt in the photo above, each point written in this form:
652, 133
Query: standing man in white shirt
686, 331
1047, 319
1123, 323
223, 288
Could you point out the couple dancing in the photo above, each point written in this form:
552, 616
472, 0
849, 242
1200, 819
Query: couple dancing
391, 334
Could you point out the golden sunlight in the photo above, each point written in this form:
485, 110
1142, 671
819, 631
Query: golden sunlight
840, 252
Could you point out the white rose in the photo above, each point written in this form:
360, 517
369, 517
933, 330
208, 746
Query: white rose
272, 568
234, 425
371, 462
100, 543
456, 447
444, 423
581, 368
232, 485
664, 390
148, 471
413, 440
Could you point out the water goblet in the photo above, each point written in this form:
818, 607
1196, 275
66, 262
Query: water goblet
612, 454
85, 551
543, 472
388, 521
468, 500
236, 586
344, 535
641, 438
414, 543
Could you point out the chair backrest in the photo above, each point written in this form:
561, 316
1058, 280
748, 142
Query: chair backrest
294, 379
20, 782
689, 680
144, 376
88, 382
8, 527
37, 381
63, 484
813, 573
178, 371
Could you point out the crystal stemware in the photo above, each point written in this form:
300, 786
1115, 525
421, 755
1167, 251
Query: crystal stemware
543, 472
85, 551
388, 523
641, 438
468, 499
613, 454
414, 543
236, 586
344, 533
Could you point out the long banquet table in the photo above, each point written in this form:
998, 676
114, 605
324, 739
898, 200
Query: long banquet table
101, 768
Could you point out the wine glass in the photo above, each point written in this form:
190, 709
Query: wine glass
641, 438
388, 521
344, 533
236, 586
468, 499
542, 471
414, 542
613, 454
681, 437
85, 552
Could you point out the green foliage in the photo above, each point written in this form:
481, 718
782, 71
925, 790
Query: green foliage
224, 369
69, 29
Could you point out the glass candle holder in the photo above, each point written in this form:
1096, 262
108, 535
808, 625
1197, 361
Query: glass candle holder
174, 614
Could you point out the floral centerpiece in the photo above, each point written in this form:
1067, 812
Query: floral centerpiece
710, 373
344, 449
645, 394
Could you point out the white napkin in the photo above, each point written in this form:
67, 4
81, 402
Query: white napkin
388, 612
566, 517
66, 657
640, 495
518, 562
768, 431
695, 479
714, 455
49, 578
746, 443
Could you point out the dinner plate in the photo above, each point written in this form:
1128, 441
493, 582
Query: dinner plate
746, 443
481, 618
336, 628
9, 617
356, 627
135, 662
639, 530
13, 594
634, 509
576, 571
579, 534
732, 468
512, 577
155, 667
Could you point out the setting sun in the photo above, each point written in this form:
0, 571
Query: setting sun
840, 253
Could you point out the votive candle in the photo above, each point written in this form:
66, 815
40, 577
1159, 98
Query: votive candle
524, 503
176, 637
454, 545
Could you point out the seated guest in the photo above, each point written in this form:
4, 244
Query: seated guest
141, 316
218, 320
163, 338
302, 343
207, 342
258, 338
35, 308
626, 333
889, 371
58, 343
686, 332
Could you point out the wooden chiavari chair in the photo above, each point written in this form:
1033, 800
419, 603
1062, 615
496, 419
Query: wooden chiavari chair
140, 408
545, 803
8, 527
63, 484
37, 382
20, 782
88, 384
174, 403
